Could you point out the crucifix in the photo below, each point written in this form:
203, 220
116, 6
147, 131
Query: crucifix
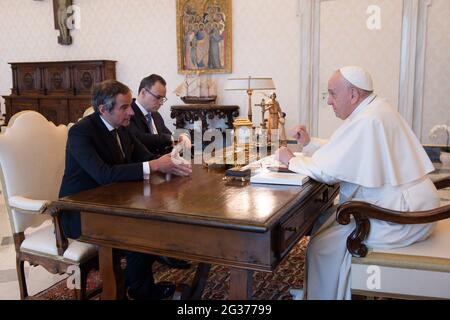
60, 10
263, 105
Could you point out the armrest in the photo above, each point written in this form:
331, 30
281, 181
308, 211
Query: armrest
442, 183
27, 205
363, 211
61, 240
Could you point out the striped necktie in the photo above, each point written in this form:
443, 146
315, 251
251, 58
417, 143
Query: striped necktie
148, 117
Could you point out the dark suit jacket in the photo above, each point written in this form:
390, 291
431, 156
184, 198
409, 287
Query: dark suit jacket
156, 143
93, 158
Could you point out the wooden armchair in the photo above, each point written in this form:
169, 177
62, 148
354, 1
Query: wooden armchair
32, 159
421, 270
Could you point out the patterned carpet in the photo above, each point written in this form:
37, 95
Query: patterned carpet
266, 286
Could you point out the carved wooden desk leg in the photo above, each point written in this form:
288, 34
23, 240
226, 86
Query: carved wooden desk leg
111, 273
199, 282
241, 284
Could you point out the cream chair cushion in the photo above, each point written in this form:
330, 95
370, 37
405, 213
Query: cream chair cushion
43, 241
419, 270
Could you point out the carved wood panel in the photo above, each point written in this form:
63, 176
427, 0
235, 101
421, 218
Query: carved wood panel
28, 79
19, 105
77, 108
85, 76
55, 110
57, 80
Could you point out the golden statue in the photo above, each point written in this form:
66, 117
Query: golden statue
275, 114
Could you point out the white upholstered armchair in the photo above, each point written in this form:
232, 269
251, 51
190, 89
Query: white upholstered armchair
32, 158
421, 270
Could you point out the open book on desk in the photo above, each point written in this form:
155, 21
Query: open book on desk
283, 178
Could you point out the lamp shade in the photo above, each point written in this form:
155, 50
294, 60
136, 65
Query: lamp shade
250, 83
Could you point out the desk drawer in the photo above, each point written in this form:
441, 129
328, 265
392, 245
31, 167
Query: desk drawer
301, 222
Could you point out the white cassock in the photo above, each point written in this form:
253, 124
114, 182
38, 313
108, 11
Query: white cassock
376, 158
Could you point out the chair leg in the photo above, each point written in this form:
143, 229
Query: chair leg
21, 278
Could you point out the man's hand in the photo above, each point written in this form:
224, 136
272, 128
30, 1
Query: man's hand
166, 165
185, 141
300, 134
284, 155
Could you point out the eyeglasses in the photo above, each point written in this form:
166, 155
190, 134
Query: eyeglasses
161, 99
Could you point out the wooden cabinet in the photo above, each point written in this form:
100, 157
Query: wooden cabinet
61, 91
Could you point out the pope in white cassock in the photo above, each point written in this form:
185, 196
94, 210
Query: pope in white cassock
376, 158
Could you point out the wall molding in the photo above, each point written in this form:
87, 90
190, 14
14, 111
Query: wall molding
310, 63
412, 62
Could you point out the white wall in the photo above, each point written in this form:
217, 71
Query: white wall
141, 36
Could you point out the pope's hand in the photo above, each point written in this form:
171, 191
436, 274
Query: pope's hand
284, 155
300, 134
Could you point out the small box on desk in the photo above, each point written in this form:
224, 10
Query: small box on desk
238, 173
282, 178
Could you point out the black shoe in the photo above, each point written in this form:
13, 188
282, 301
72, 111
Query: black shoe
161, 291
174, 263
165, 290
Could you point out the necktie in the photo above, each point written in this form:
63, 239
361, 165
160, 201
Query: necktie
148, 116
116, 135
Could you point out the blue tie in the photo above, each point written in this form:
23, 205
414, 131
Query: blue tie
149, 122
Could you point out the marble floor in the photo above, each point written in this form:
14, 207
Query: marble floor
39, 279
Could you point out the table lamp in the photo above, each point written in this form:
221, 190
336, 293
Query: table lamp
249, 84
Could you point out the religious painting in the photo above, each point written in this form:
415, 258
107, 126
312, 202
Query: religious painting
204, 36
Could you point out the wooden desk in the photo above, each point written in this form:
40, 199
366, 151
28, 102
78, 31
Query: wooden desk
201, 218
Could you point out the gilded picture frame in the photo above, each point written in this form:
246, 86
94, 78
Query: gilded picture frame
204, 36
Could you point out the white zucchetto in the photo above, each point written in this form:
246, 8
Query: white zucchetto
358, 77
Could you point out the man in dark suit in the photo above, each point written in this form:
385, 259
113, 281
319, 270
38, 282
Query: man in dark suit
100, 150
147, 124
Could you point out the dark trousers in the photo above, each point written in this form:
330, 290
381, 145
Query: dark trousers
139, 276
138, 273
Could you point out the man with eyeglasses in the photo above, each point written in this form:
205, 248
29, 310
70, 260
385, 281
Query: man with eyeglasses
147, 124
